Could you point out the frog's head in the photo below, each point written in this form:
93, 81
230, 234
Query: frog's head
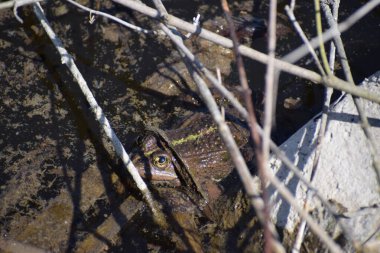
152, 160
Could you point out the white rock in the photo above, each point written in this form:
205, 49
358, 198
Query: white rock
345, 174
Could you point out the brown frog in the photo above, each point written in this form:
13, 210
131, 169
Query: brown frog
192, 155
193, 161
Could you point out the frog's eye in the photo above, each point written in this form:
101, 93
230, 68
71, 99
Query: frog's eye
161, 160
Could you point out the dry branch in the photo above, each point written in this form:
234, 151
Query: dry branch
261, 162
290, 11
271, 85
302, 50
117, 20
329, 81
67, 59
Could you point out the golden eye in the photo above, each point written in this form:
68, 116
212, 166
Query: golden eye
161, 161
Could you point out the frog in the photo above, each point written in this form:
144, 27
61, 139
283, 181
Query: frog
190, 172
191, 154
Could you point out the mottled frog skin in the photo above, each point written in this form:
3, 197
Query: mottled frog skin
196, 142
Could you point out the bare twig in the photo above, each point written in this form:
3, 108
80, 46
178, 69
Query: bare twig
7, 4
269, 81
333, 82
290, 11
260, 160
318, 21
271, 86
15, 4
67, 59
117, 20
18, 3
301, 51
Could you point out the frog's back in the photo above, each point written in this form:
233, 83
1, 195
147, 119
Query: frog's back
198, 142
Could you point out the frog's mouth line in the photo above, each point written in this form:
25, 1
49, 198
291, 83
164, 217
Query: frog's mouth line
180, 166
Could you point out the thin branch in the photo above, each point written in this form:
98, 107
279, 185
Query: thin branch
7, 4
117, 20
15, 4
318, 21
333, 82
271, 85
269, 81
12, 3
290, 11
67, 59
270, 235
302, 50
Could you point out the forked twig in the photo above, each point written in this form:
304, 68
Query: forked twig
16, 4
117, 20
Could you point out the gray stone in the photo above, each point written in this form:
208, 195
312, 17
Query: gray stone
344, 175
